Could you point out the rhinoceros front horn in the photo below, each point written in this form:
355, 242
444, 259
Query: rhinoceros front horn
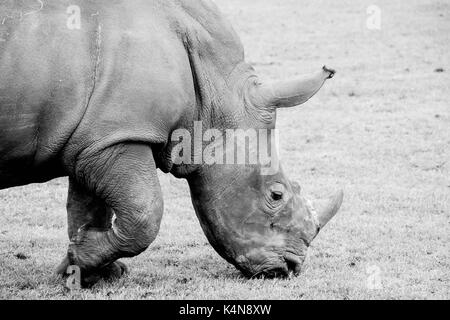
290, 93
327, 210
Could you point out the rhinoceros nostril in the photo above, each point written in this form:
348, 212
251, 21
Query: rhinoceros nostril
294, 263
293, 267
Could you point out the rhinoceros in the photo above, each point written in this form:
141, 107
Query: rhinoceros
93, 90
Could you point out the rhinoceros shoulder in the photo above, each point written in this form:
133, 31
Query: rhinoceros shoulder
210, 34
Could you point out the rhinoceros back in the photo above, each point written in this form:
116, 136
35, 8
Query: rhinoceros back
46, 71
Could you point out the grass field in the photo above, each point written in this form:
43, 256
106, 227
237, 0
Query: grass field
380, 130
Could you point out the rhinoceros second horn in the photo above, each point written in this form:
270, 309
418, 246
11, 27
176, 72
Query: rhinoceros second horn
329, 209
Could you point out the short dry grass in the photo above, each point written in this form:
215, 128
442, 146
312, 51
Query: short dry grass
380, 130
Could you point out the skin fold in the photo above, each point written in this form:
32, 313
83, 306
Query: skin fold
99, 104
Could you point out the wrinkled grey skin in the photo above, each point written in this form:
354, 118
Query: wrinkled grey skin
99, 105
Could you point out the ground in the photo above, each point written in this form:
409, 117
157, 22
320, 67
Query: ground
380, 130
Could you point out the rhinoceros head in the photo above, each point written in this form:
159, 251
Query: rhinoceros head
257, 219
261, 224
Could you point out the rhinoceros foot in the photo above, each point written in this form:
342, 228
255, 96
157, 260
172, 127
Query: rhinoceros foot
111, 272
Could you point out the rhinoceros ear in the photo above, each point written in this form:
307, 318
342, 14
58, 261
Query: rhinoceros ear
290, 93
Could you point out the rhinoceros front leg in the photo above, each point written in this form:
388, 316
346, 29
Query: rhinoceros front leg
84, 209
122, 180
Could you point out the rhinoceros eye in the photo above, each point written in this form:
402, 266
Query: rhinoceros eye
276, 195
276, 192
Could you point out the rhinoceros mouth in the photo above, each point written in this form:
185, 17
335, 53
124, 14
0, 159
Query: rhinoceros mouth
289, 265
278, 272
